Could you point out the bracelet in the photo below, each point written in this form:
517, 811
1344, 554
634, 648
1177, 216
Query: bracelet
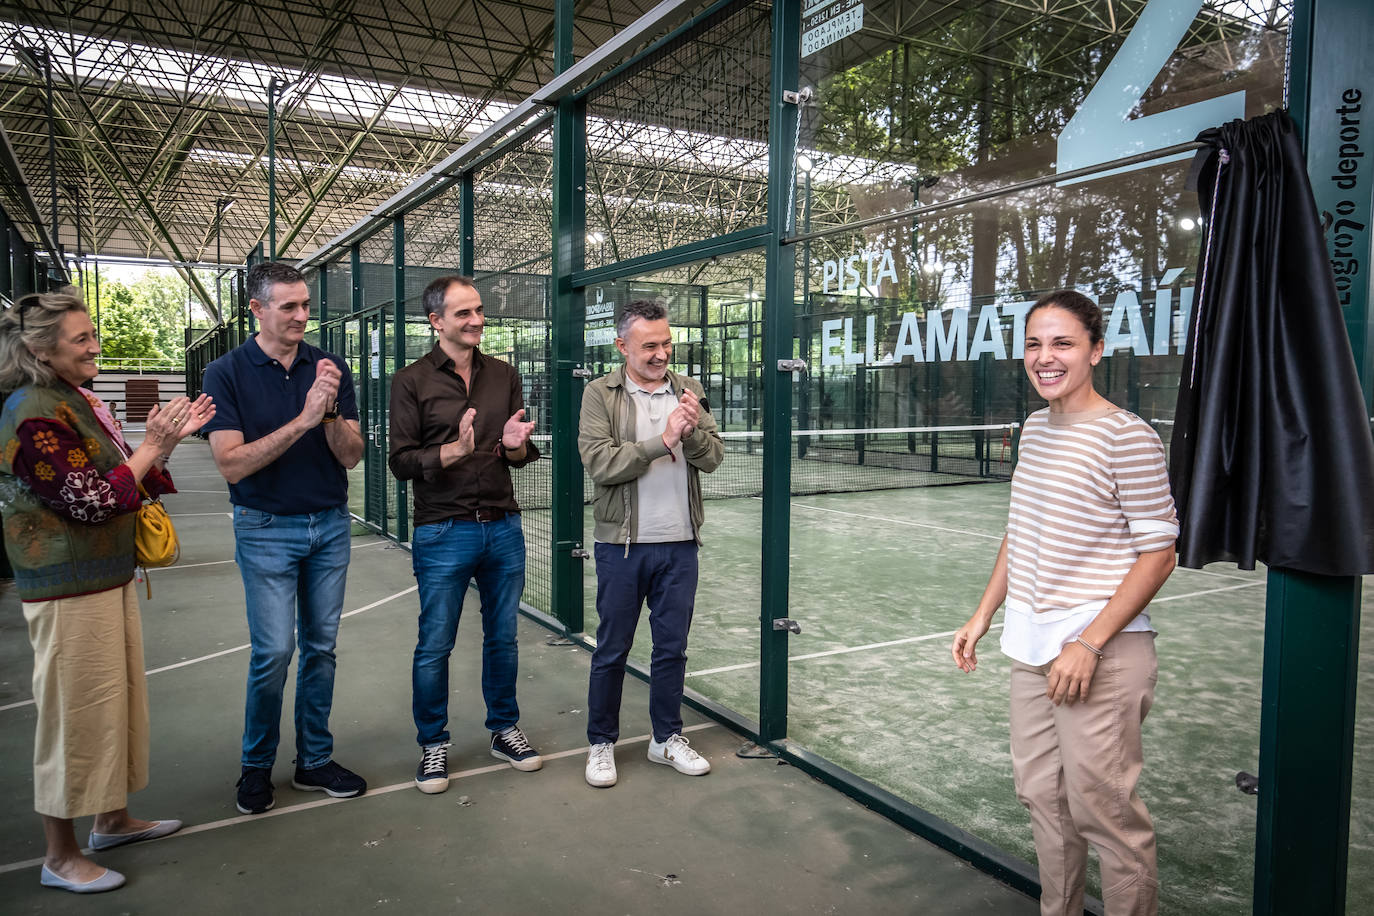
1089, 646
165, 458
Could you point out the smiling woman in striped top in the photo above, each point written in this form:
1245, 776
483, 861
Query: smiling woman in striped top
1090, 540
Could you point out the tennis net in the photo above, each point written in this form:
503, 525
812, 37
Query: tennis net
833, 461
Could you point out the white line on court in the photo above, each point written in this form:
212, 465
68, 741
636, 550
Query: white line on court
198, 514
167, 569
1208, 572
195, 491
929, 636
323, 802
1209, 591
230, 651
828, 652
899, 521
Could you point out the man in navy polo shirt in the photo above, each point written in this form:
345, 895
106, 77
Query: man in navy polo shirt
284, 435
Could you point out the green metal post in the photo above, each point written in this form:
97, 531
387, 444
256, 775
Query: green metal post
325, 336
365, 413
568, 343
398, 359
272, 169
1311, 632
779, 305
467, 255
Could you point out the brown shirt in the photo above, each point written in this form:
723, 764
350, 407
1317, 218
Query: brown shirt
428, 400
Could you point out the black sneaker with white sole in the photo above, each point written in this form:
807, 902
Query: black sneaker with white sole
512, 746
331, 779
431, 776
255, 790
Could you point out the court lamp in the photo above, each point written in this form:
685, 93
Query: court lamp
222, 206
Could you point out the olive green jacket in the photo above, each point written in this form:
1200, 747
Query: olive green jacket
615, 461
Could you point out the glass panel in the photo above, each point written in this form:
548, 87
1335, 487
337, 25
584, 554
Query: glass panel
913, 332
915, 108
513, 245
677, 144
708, 308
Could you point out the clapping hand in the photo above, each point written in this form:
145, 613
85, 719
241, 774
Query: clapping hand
682, 422
323, 393
516, 432
180, 418
690, 406
467, 440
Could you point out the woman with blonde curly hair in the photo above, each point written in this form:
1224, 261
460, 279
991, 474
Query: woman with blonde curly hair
69, 490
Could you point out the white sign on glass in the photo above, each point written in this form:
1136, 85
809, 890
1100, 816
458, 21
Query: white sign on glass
1102, 129
825, 22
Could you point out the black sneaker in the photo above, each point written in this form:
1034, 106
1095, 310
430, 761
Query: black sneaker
512, 746
255, 790
431, 776
330, 778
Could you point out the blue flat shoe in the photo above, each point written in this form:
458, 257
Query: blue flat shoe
106, 882
101, 841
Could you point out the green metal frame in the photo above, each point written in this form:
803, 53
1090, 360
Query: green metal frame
718, 247
778, 319
398, 237
323, 288
1312, 623
568, 338
467, 256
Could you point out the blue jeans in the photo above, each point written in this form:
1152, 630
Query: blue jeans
665, 574
446, 556
294, 568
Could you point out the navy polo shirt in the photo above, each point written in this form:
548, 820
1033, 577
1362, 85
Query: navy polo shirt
255, 395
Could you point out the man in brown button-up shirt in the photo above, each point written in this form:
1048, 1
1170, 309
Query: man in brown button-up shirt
457, 428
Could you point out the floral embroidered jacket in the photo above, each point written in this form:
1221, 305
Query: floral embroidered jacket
66, 497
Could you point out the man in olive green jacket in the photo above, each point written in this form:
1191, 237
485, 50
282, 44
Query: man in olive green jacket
646, 434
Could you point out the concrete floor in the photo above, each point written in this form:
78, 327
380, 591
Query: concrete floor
751, 836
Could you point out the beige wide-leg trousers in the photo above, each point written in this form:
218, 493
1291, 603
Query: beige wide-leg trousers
1076, 768
91, 746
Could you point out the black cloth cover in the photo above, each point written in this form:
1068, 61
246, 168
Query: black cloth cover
1271, 458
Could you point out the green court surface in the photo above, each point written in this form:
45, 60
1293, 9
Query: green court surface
878, 582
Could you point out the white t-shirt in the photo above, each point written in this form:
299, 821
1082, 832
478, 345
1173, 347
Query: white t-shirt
664, 516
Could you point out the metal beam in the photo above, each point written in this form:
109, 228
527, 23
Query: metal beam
20, 186
144, 203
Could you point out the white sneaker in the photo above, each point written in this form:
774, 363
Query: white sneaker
601, 765
678, 753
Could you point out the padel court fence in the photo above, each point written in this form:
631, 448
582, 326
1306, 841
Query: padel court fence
847, 215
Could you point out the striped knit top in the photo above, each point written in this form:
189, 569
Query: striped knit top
1090, 493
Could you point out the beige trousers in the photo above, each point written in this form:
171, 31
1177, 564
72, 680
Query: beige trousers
1076, 768
91, 746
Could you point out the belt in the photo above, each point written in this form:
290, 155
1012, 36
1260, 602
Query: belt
483, 515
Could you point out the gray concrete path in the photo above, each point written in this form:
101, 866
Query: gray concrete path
753, 836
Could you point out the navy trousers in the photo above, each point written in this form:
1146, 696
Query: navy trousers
665, 575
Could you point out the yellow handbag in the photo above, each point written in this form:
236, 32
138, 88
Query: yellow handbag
155, 540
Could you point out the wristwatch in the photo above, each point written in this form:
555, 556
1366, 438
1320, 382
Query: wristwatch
331, 414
